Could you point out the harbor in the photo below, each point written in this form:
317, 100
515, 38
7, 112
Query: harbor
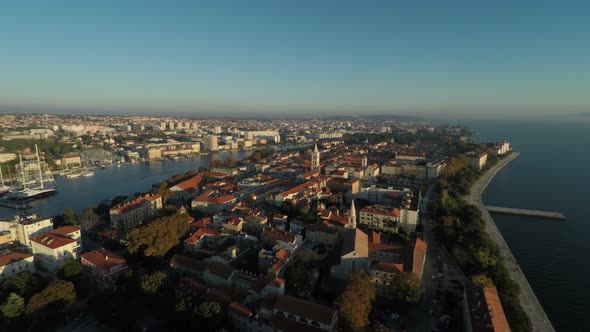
526, 212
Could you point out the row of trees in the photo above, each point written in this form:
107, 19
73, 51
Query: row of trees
460, 227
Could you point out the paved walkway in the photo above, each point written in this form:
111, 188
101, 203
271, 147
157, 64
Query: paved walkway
528, 299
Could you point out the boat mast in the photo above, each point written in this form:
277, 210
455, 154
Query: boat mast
22, 168
39, 163
1, 177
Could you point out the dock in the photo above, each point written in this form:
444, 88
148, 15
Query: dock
13, 205
528, 213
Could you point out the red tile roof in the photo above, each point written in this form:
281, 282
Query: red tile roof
65, 230
55, 238
192, 183
390, 213
419, 256
12, 257
499, 322
102, 260
199, 234
388, 267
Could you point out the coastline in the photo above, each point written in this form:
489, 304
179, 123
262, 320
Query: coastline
528, 299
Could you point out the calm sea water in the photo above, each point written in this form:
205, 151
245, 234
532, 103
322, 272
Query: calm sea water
79, 193
551, 173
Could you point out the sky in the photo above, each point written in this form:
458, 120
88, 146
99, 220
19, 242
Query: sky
410, 57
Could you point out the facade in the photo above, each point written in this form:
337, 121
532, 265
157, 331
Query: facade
320, 233
102, 267
354, 255
477, 160
381, 218
12, 262
211, 143
51, 249
128, 215
23, 228
200, 238
382, 274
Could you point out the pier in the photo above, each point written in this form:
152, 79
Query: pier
525, 212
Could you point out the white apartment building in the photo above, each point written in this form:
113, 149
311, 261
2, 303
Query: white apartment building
51, 249
128, 215
12, 262
23, 228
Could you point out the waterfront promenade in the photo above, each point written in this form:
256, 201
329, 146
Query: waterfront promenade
528, 299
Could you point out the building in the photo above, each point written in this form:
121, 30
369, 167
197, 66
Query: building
381, 218
188, 189
152, 153
13, 262
382, 274
213, 201
434, 170
292, 314
394, 206
22, 228
315, 158
211, 143
354, 255
200, 239
320, 233
485, 310
477, 160
128, 215
71, 160
51, 249
102, 267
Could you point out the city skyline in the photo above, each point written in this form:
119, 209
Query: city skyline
504, 59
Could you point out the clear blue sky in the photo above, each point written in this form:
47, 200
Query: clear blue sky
316, 57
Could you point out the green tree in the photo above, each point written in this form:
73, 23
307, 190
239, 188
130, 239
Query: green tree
58, 295
23, 284
354, 304
69, 215
405, 288
482, 280
209, 314
70, 269
157, 237
153, 282
13, 306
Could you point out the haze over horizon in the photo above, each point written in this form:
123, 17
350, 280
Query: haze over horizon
261, 58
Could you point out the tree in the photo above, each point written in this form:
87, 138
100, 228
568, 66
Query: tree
153, 282
58, 295
210, 314
482, 281
23, 284
89, 218
354, 304
405, 288
13, 306
255, 156
157, 237
69, 214
70, 269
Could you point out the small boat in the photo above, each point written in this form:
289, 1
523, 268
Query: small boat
88, 173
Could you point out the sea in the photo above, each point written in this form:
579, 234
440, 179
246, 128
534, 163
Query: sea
552, 173
128, 179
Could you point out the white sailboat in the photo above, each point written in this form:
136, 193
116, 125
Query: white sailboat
41, 183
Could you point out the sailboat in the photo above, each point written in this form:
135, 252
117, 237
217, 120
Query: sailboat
37, 187
3, 188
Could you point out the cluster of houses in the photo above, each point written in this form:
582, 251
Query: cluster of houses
31, 244
239, 224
